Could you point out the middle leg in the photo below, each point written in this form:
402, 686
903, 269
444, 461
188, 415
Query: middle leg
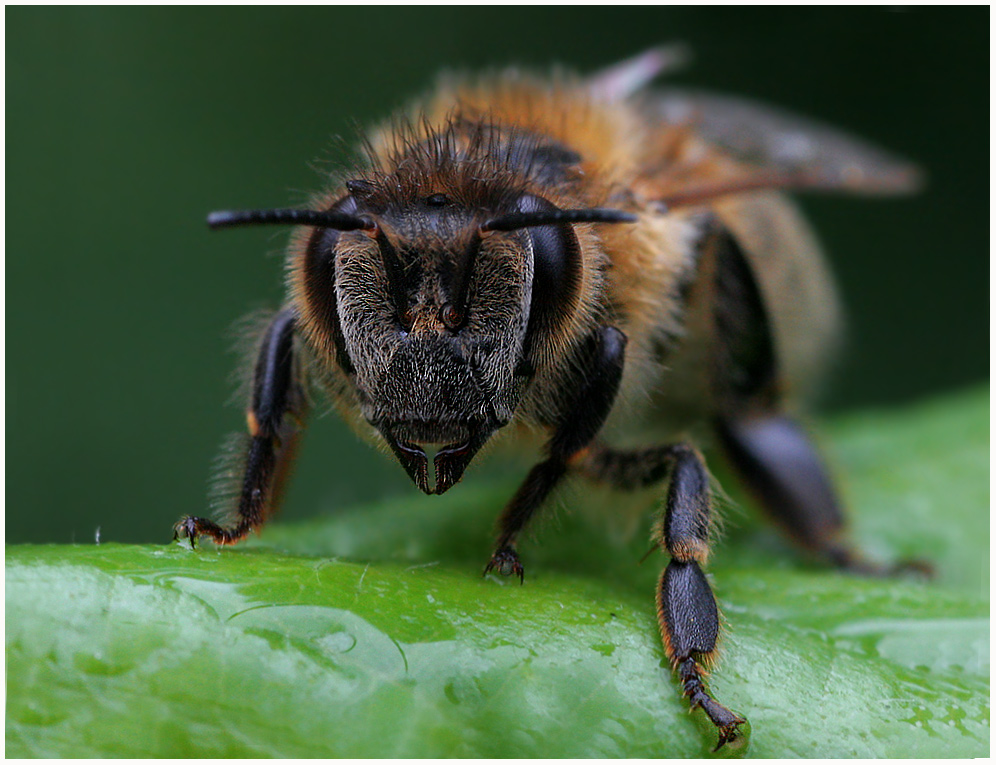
686, 608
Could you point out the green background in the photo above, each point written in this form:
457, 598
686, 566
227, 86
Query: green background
125, 126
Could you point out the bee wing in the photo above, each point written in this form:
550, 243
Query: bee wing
619, 81
782, 150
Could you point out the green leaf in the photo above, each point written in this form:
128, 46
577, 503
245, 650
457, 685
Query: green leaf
372, 634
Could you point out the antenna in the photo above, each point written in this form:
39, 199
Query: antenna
321, 219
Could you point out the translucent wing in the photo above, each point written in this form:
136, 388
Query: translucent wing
781, 150
619, 81
777, 149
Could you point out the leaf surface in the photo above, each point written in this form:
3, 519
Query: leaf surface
371, 633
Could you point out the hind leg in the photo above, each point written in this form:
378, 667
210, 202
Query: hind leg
770, 451
779, 464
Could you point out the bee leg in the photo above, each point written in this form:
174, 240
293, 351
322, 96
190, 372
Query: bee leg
273, 418
780, 465
686, 608
579, 421
772, 453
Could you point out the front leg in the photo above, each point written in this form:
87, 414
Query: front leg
579, 421
274, 416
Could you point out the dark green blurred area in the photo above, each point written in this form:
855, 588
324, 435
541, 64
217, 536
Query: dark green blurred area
125, 126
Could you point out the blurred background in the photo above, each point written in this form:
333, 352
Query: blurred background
126, 126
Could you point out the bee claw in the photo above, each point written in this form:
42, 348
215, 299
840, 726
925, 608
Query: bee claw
914, 567
186, 528
505, 561
728, 734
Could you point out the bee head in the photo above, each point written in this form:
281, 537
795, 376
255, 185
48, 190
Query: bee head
429, 309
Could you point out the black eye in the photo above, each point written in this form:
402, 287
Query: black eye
556, 269
319, 282
437, 200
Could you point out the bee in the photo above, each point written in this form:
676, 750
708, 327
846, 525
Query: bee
568, 255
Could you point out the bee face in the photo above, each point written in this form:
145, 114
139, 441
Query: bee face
432, 317
430, 301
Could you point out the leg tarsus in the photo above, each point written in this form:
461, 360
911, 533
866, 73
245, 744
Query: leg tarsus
727, 723
191, 527
916, 567
186, 528
852, 562
505, 561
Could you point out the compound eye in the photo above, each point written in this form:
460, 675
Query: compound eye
319, 282
451, 316
556, 267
